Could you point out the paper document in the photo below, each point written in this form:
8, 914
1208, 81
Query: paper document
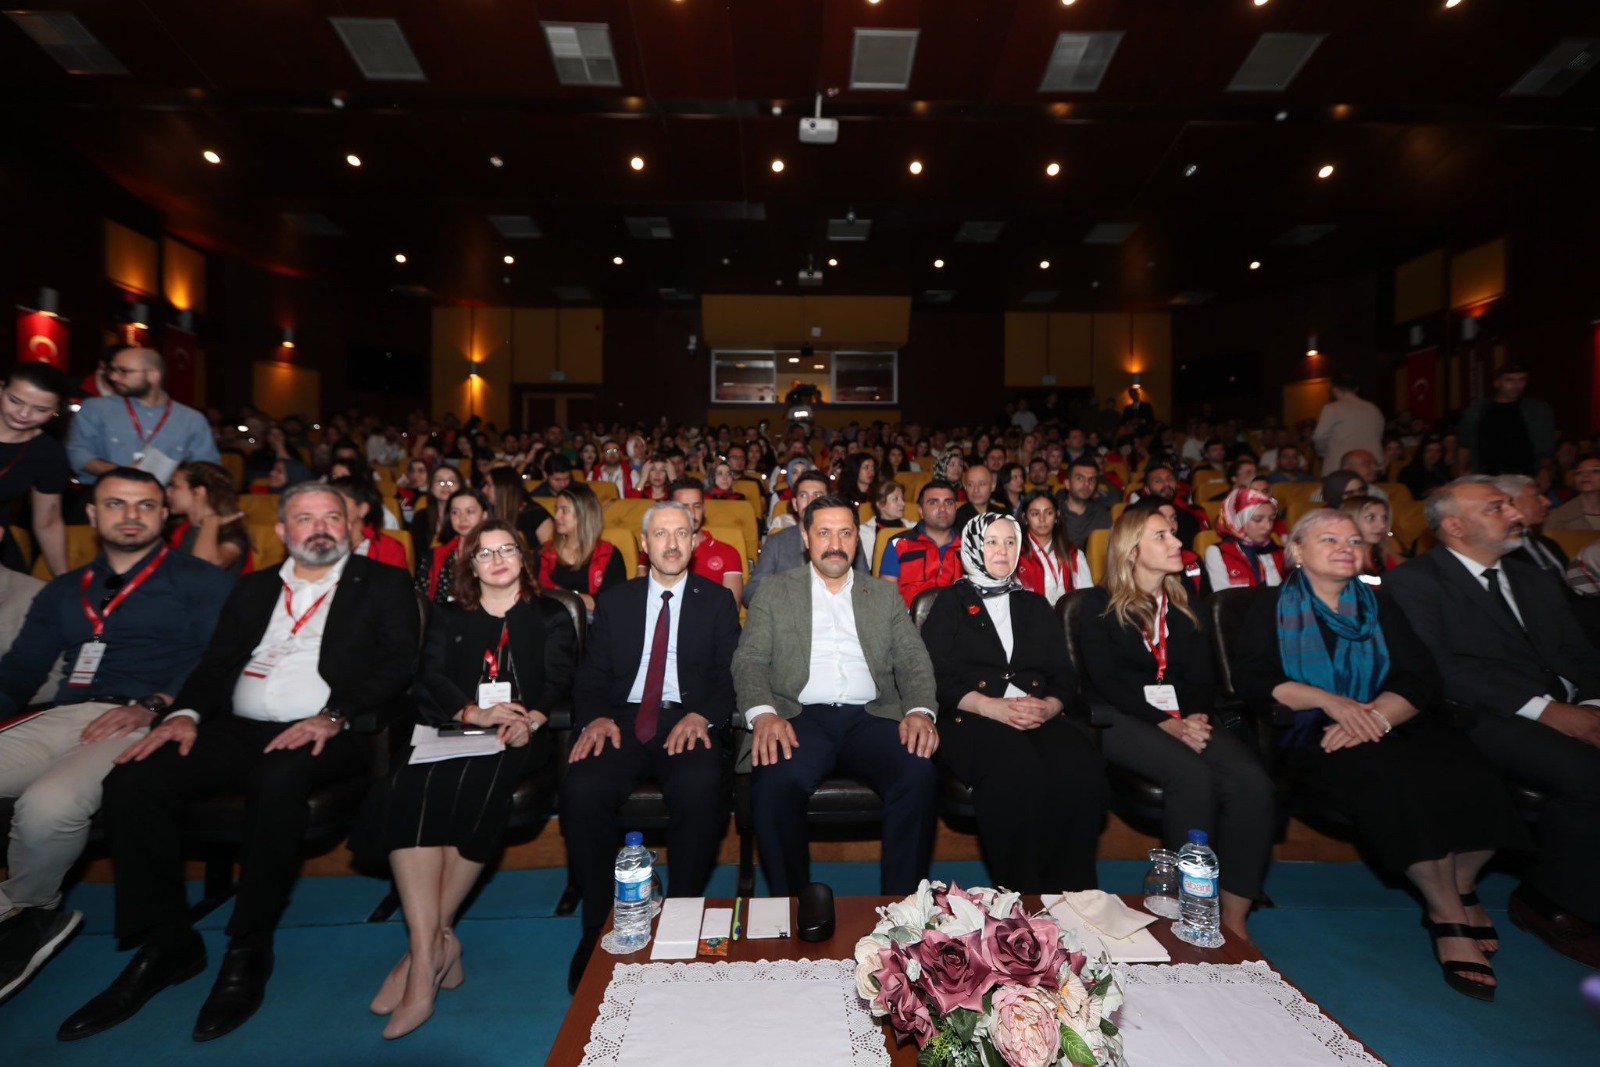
768, 917
678, 929
429, 747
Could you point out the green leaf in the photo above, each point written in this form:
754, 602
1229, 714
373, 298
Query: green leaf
1108, 1028
930, 1056
1076, 1048
904, 935
963, 1021
1101, 986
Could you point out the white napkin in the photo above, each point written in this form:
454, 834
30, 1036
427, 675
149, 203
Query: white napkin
1107, 913
1139, 947
678, 929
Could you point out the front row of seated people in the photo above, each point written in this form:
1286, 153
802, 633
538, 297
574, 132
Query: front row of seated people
160, 706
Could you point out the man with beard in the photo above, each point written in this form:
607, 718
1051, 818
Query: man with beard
315, 653
833, 678
650, 701
131, 625
1526, 683
142, 426
1161, 486
1080, 507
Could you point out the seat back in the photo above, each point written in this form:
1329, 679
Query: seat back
604, 491
922, 604
1225, 610
575, 609
83, 544
266, 547
259, 508
1573, 542
1069, 609
735, 513
627, 542
1099, 544
404, 537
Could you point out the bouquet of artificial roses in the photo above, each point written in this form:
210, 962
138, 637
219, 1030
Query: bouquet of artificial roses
977, 982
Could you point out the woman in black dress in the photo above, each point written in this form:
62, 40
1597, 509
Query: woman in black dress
1367, 741
1148, 657
33, 465
1005, 682
441, 822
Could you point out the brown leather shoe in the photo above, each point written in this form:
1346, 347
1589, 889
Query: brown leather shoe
1575, 938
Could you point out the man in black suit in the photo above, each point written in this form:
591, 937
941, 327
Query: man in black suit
1528, 681
650, 698
1543, 552
309, 656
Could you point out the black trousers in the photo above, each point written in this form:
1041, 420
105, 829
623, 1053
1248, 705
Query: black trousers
144, 805
1224, 791
1567, 772
695, 786
1040, 796
846, 740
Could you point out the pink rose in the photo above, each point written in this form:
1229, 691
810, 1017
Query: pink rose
1026, 951
1023, 1027
953, 970
901, 999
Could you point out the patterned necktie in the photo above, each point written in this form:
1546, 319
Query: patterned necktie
655, 675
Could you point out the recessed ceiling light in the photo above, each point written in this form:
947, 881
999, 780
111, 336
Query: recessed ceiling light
1260, 3
1280, 116
353, 159
637, 163
938, 264
1191, 170
1068, 3
1044, 264
1326, 171
509, 260
916, 166
1452, 3
794, 359
617, 260
777, 166
210, 157
816, 366
1255, 264
1053, 169
831, 262
496, 161
399, 257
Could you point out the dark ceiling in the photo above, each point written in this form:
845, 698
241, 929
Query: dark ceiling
1406, 98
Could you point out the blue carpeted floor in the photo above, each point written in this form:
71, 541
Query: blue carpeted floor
1352, 944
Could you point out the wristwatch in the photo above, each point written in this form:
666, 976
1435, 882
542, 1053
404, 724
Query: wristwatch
334, 715
153, 704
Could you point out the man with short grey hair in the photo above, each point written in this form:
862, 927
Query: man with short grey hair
1543, 552
1526, 685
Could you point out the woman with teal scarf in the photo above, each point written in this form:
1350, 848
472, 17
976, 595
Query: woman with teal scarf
1367, 741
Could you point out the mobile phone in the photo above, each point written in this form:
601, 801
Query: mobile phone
457, 728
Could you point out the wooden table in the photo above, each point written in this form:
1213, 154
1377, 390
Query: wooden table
854, 917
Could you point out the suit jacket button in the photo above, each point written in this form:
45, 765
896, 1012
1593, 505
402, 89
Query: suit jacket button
983, 685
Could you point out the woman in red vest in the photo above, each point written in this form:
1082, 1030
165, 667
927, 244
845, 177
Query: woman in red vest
575, 558
1247, 555
1051, 565
465, 509
366, 534
1194, 573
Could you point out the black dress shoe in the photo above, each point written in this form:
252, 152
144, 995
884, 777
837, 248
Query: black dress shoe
241, 985
1573, 937
149, 973
580, 959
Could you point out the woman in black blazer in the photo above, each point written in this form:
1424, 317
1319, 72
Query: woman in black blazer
1212, 780
441, 822
1005, 682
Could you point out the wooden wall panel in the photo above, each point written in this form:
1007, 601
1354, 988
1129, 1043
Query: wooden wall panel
581, 344
183, 276
852, 320
1026, 351
282, 389
1069, 353
1419, 287
744, 320
131, 259
533, 355
1478, 274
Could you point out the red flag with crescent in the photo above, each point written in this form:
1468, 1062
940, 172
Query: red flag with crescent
1422, 377
182, 355
42, 338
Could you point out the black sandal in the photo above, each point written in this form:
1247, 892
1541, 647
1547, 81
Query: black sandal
1455, 971
1480, 933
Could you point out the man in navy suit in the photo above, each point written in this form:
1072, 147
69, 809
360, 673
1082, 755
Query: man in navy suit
653, 692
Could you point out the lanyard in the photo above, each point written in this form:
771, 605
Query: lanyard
1158, 645
491, 660
138, 428
97, 621
21, 452
1048, 558
288, 605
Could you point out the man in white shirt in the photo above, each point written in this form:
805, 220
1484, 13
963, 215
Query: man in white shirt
309, 656
1348, 423
833, 679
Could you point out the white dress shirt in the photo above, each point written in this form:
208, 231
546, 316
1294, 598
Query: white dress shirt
999, 609
1536, 705
652, 612
293, 689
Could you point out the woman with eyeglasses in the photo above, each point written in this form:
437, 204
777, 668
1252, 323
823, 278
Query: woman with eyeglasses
496, 660
576, 558
467, 509
428, 521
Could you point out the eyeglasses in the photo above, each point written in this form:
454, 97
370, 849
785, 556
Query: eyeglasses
446, 481
484, 555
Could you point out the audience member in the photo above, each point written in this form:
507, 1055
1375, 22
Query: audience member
1543, 552
141, 427
888, 513
1582, 512
429, 525
201, 494
1079, 505
1427, 470
366, 538
1161, 487
979, 483
1509, 433
922, 557
33, 465
1240, 474
1381, 552
785, 549
1291, 466
436, 568
1348, 423
859, 473
1340, 486
708, 557
719, 483
1051, 565
578, 558
1009, 487
1246, 555
508, 493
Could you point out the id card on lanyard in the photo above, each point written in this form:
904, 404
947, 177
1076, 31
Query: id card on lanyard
267, 658
138, 427
1160, 696
494, 691
93, 650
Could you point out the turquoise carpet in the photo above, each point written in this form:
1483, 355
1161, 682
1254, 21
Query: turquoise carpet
1352, 944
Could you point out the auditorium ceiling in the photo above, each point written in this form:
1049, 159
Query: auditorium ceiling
1187, 138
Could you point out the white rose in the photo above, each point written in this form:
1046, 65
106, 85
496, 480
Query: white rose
868, 965
964, 917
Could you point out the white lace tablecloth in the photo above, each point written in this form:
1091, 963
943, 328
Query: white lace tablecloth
788, 1012
1241, 1014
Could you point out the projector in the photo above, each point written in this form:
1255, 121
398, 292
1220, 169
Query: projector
819, 131
811, 278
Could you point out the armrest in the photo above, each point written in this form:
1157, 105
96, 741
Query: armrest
560, 716
1101, 715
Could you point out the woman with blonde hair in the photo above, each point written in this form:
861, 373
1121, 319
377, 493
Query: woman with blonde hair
1371, 517
1148, 656
575, 557
201, 494
653, 478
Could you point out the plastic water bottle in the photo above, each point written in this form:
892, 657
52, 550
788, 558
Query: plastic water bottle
631, 908
1200, 907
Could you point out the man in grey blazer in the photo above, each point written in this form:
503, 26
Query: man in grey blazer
783, 550
832, 678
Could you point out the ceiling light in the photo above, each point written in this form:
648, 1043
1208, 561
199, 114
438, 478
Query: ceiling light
1260, 3
833, 262
794, 359
637, 163
353, 159
1053, 169
1311, 346
617, 260
1191, 170
1044, 264
777, 166
1280, 116
288, 337
496, 161
1452, 3
508, 260
399, 257
1068, 3
1255, 264
210, 157
816, 366
916, 166
1326, 171
938, 264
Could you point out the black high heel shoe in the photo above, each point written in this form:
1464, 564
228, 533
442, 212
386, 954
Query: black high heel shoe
1456, 971
1480, 933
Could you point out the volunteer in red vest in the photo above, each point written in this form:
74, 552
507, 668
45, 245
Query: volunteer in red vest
366, 528
465, 509
575, 558
928, 555
1051, 565
1194, 571
1247, 555
709, 557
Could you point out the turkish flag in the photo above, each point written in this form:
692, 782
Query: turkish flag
42, 338
182, 356
1422, 383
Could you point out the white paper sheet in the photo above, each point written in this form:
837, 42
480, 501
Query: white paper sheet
1142, 947
678, 929
429, 747
768, 917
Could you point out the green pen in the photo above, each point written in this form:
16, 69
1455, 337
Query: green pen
738, 902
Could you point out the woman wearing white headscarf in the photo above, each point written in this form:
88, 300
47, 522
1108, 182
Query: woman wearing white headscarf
1247, 555
1006, 692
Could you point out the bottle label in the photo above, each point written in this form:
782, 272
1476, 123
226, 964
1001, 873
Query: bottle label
1198, 885
635, 888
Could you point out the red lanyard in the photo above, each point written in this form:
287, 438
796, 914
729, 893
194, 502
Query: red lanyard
1048, 558
1158, 645
491, 660
23, 451
288, 605
97, 621
138, 429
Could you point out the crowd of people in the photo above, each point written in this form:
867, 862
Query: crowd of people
1421, 679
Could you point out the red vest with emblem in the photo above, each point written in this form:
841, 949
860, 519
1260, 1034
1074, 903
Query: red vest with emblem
921, 566
1240, 573
1030, 571
597, 564
1192, 570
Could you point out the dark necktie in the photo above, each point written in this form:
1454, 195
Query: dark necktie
1499, 596
1543, 557
655, 675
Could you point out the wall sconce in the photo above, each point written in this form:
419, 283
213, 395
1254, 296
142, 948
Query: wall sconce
185, 321
139, 317
49, 303
288, 337
1311, 347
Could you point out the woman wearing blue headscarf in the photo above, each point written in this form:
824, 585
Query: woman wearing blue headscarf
1368, 742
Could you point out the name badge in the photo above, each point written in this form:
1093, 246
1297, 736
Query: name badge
156, 462
492, 693
87, 663
263, 662
1162, 697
